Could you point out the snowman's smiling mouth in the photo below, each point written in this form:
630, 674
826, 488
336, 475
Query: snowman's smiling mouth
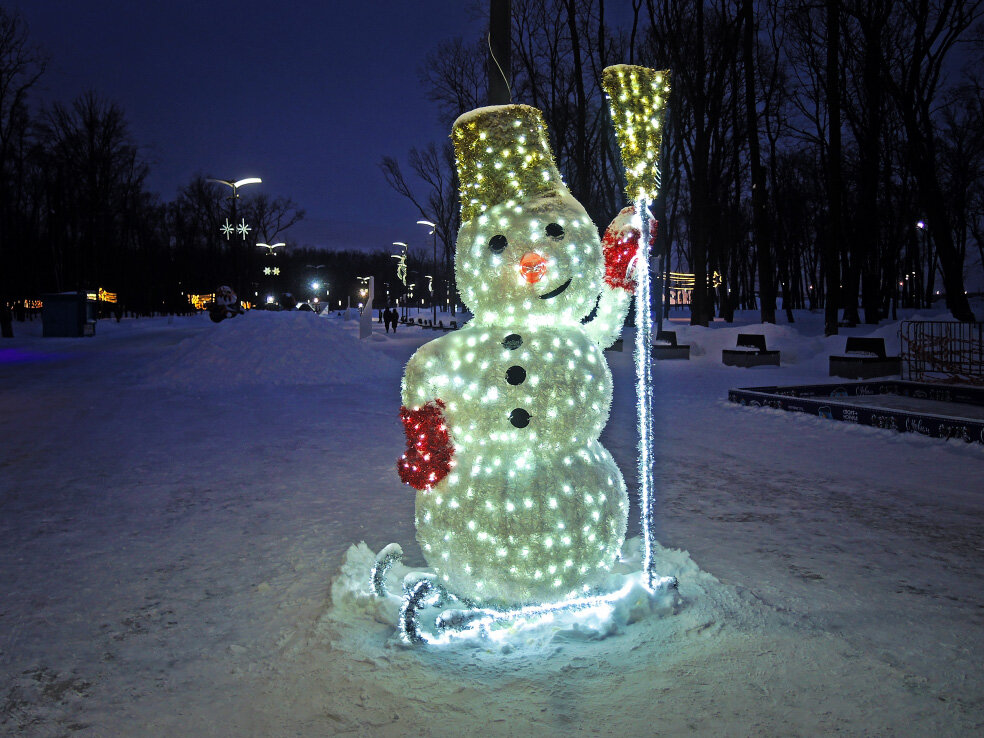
556, 291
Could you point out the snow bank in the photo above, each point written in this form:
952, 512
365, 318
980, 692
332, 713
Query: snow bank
353, 601
260, 347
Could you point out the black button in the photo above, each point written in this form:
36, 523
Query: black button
498, 244
513, 341
515, 375
519, 418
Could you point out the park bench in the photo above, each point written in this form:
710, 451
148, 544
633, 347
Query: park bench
665, 346
750, 350
865, 359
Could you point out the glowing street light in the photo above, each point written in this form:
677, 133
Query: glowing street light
433, 232
238, 183
271, 246
401, 262
363, 290
401, 269
242, 228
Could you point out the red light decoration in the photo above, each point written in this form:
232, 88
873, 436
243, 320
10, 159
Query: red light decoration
428, 457
620, 245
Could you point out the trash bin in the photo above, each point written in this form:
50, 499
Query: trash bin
67, 315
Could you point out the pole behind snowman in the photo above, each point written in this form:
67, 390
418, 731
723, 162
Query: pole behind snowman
637, 98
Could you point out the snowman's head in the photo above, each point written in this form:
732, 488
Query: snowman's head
536, 262
527, 250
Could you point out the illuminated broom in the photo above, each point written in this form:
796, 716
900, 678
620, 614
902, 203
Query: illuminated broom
637, 98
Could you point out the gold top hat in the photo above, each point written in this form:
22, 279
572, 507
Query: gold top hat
503, 155
637, 98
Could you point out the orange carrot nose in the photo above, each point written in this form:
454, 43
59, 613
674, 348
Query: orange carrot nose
533, 267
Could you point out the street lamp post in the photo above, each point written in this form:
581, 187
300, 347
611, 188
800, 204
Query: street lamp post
271, 251
242, 228
430, 290
433, 232
925, 290
401, 272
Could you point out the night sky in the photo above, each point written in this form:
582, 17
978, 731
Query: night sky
308, 96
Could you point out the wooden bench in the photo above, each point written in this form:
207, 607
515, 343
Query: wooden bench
865, 359
665, 346
750, 351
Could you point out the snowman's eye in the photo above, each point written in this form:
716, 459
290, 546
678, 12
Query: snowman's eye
497, 244
555, 230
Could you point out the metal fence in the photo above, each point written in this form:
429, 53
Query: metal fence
938, 351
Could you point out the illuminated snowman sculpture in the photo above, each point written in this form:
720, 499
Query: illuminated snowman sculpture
517, 501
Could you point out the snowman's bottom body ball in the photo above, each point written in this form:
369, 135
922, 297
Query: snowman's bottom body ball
541, 533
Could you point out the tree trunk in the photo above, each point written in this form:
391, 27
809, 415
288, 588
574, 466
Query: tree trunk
699, 187
832, 245
760, 217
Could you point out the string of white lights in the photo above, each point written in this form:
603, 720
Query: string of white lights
478, 622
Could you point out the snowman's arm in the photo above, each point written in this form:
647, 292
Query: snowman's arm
620, 246
430, 452
418, 386
606, 327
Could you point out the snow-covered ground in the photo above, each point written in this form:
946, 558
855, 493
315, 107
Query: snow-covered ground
177, 498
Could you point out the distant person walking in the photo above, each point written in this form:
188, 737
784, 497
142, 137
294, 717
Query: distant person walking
7, 320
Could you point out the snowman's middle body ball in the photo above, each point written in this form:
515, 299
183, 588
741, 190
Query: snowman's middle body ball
535, 507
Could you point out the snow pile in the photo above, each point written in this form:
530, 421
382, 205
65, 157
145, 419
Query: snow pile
353, 601
260, 347
706, 343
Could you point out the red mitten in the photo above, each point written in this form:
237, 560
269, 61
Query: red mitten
620, 245
429, 449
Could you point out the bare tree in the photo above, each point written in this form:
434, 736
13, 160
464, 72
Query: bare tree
93, 173
440, 204
21, 65
915, 72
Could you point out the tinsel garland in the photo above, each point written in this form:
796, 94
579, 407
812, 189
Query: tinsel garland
502, 155
637, 97
621, 244
384, 560
429, 449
